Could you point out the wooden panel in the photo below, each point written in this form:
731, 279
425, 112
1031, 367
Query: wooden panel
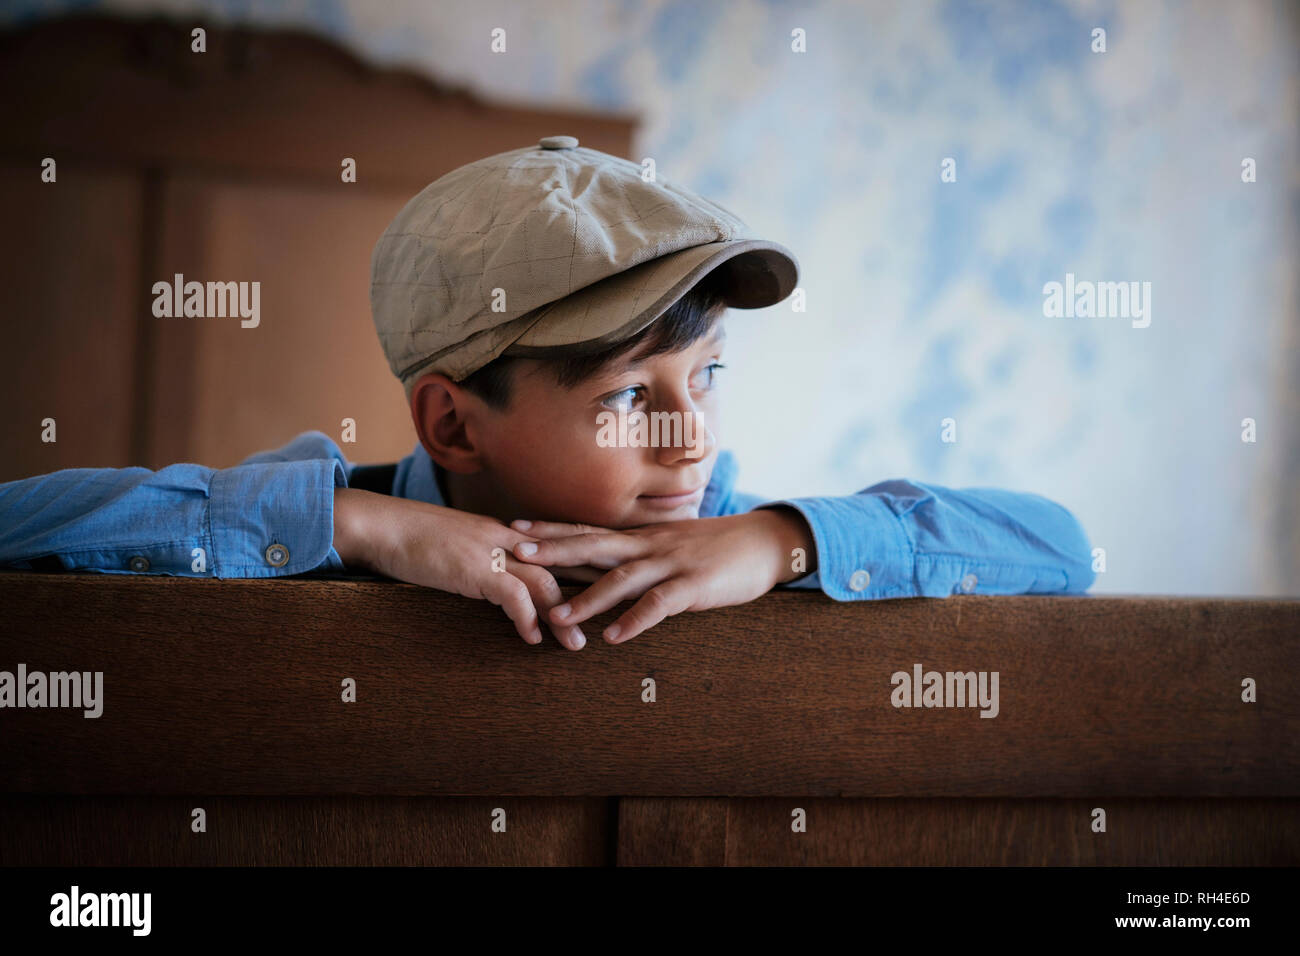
676, 831
673, 831
897, 832
302, 831
225, 391
223, 166
259, 102
233, 687
651, 831
69, 285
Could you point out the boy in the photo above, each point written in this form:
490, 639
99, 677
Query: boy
524, 301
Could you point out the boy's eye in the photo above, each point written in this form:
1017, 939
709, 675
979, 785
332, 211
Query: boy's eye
636, 394
624, 399
711, 370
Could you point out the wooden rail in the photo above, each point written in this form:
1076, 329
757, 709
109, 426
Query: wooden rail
228, 695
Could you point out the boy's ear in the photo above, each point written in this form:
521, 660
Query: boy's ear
441, 411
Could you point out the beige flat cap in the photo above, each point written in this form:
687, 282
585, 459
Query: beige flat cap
548, 249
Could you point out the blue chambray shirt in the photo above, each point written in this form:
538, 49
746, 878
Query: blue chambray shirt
895, 539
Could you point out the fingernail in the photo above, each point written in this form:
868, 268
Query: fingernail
578, 639
612, 632
521, 525
563, 610
527, 547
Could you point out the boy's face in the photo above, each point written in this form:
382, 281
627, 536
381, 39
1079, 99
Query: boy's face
546, 457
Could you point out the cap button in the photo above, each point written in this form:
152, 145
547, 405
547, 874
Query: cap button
558, 142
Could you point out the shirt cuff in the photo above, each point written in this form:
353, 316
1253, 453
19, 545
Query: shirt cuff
863, 552
273, 519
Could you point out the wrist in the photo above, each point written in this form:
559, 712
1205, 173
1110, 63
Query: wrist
350, 540
794, 540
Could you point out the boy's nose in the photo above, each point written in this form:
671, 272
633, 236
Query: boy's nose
683, 435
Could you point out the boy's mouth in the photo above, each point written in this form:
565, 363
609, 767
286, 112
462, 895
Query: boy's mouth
673, 501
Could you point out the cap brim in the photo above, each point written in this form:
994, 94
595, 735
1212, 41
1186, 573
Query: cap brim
757, 273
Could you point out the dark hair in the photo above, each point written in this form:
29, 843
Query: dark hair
687, 320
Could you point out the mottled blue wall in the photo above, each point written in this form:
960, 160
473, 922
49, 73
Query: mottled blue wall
925, 298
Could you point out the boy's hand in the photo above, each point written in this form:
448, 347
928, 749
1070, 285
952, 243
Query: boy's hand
675, 566
449, 550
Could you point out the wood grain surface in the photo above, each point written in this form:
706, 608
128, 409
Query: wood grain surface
304, 831
233, 687
670, 831
62, 830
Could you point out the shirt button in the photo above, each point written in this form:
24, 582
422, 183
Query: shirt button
139, 563
860, 580
277, 555
968, 583
558, 142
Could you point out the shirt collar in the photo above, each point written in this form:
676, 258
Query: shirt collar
417, 478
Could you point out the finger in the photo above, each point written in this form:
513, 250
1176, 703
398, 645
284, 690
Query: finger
546, 594
624, 582
670, 597
511, 595
598, 550
556, 529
